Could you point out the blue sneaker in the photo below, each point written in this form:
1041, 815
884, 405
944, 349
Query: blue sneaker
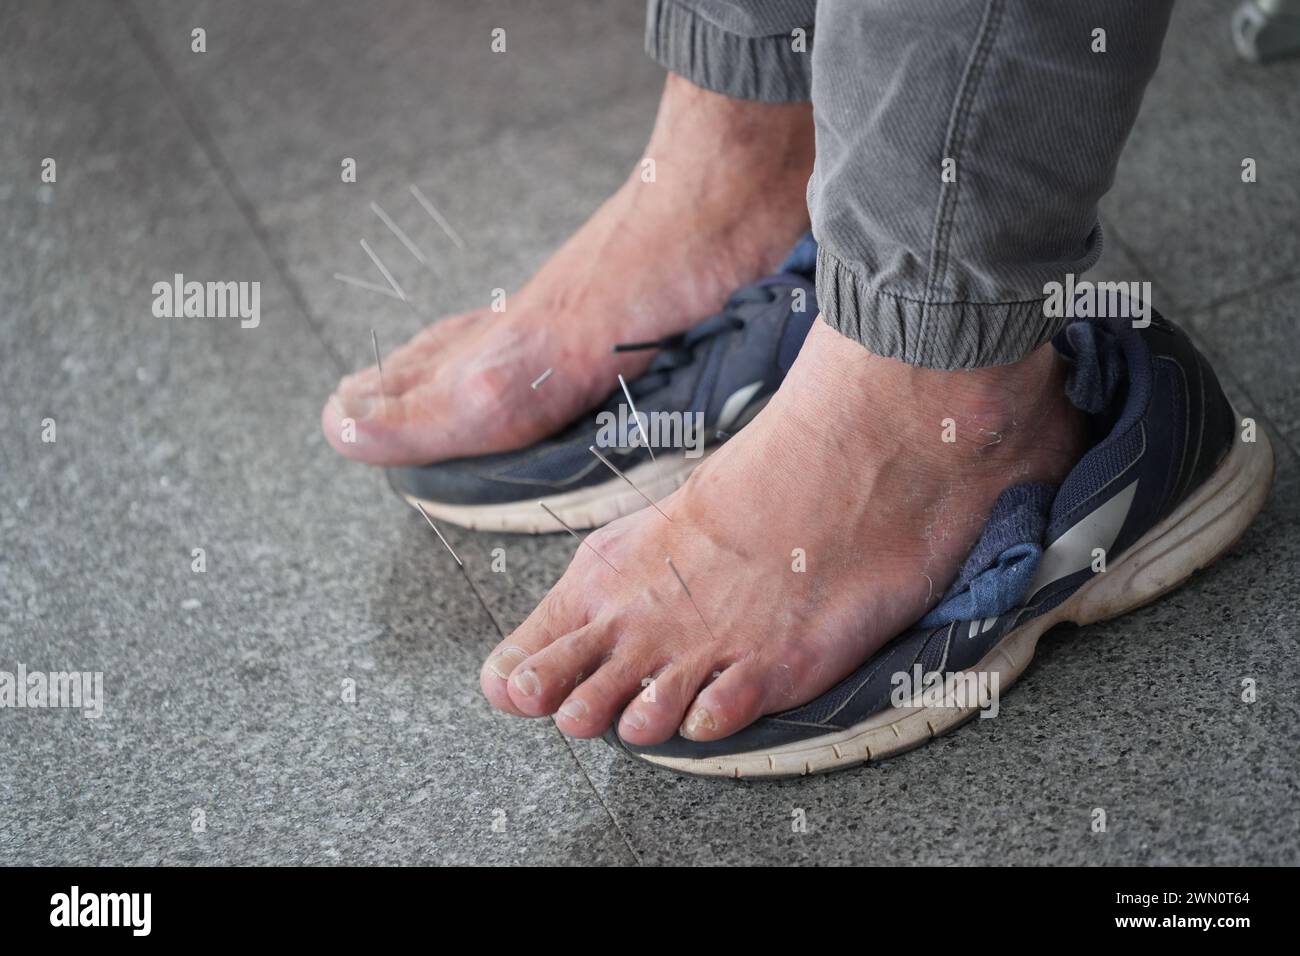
1172, 481
703, 386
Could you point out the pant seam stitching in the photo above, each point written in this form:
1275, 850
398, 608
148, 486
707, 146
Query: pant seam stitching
953, 145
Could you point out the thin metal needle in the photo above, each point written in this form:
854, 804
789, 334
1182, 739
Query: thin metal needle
677, 574
543, 377
383, 269
379, 363
402, 237
483, 602
362, 284
449, 548
436, 216
465, 571
636, 418
581, 539
610, 465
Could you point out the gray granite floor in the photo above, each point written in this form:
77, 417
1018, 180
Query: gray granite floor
226, 737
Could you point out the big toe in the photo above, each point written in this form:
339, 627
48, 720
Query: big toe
558, 616
387, 417
361, 422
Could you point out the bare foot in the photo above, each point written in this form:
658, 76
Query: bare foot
848, 464
726, 204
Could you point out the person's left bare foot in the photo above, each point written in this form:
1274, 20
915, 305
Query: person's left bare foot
846, 467
727, 202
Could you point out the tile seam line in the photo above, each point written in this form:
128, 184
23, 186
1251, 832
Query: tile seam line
1191, 309
627, 840
144, 40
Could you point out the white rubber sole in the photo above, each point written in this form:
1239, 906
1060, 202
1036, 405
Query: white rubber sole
1192, 537
582, 508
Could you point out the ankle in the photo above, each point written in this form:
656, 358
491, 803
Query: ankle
1010, 420
770, 139
1001, 416
1004, 403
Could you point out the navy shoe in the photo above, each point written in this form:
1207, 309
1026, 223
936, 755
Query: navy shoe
1170, 484
703, 386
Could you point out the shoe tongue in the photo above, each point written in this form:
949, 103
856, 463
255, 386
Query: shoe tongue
1097, 366
1003, 561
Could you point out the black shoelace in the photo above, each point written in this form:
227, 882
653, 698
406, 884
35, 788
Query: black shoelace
678, 350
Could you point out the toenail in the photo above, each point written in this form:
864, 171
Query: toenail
699, 721
634, 719
506, 661
574, 709
360, 407
526, 683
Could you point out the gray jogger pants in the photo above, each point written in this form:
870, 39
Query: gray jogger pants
962, 147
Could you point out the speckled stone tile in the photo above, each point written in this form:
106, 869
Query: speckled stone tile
1256, 335
1178, 197
515, 150
228, 693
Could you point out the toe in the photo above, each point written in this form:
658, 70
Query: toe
657, 711
447, 409
383, 420
732, 702
495, 674
331, 424
557, 615
359, 422
539, 684
596, 702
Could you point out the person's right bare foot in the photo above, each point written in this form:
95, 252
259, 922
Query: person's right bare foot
846, 466
726, 202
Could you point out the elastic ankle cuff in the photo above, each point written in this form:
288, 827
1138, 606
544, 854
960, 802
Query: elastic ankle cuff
937, 335
765, 67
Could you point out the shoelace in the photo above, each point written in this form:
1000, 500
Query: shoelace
678, 350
